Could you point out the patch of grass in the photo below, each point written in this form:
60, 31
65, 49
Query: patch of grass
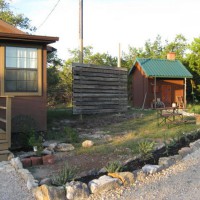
113, 166
59, 114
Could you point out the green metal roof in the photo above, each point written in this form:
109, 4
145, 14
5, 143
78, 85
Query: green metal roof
162, 68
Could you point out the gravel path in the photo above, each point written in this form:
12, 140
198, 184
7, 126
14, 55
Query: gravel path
179, 182
12, 186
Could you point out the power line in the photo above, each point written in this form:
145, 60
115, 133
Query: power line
49, 14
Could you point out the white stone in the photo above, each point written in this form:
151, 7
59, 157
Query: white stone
16, 163
76, 190
87, 143
184, 151
31, 184
64, 147
104, 183
151, 169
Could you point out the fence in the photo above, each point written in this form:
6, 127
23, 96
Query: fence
99, 89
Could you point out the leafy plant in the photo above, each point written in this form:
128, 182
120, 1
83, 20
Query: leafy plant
65, 175
35, 140
114, 166
146, 148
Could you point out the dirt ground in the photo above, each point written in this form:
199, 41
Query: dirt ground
85, 164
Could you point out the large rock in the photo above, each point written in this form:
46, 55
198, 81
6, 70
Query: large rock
127, 178
16, 163
104, 183
77, 190
87, 143
45, 192
151, 169
165, 162
184, 151
64, 147
195, 145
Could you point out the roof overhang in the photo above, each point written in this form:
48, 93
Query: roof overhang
13, 37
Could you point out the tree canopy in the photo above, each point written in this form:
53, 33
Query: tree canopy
17, 20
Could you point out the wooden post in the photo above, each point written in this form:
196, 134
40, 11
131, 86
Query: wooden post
119, 56
81, 31
155, 90
185, 90
8, 120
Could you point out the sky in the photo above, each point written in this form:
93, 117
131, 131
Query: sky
110, 22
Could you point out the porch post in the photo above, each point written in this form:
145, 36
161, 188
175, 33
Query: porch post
155, 90
185, 88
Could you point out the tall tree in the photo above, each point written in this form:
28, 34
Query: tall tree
17, 20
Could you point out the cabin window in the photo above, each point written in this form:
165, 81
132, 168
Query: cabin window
22, 71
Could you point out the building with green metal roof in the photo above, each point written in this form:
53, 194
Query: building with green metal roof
158, 80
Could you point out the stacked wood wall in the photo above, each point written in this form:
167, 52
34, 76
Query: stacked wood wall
99, 89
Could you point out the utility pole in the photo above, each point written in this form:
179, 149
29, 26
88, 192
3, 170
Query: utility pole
119, 56
80, 31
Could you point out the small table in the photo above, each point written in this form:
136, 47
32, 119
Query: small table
167, 114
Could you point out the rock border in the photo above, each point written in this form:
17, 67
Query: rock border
79, 190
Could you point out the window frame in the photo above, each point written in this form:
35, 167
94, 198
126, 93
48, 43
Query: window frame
3, 70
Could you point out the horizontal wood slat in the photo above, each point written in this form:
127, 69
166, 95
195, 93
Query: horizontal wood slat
99, 89
4, 145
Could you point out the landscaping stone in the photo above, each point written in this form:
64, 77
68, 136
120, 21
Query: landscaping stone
195, 145
48, 159
16, 163
151, 169
45, 192
25, 174
64, 147
45, 181
77, 190
185, 151
165, 162
127, 178
47, 151
87, 143
51, 143
104, 183
26, 162
31, 184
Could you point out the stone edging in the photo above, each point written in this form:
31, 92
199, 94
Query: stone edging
78, 190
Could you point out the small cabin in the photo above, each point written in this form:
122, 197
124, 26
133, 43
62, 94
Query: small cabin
23, 79
155, 80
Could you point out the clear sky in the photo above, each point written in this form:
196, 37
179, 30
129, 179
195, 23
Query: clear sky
108, 22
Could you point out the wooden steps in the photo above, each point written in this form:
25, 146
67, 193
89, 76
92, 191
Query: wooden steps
5, 135
4, 155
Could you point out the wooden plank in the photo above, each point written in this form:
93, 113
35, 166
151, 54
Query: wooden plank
76, 111
92, 78
96, 91
98, 74
100, 87
94, 82
3, 107
3, 145
101, 99
99, 95
2, 136
84, 103
80, 65
2, 120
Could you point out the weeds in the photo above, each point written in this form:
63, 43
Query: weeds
146, 149
114, 166
65, 175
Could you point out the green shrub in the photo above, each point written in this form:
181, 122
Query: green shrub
65, 175
114, 166
146, 148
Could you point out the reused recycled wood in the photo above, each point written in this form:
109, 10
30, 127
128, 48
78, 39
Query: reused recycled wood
99, 89
5, 130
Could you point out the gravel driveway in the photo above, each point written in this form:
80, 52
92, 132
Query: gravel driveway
179, 182
12, 186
